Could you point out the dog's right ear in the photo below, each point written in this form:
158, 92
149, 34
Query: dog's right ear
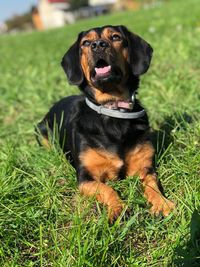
72, 66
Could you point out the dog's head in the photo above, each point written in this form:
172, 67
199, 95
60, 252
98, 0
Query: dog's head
107, 59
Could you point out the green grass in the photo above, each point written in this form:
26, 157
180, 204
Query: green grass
43, 219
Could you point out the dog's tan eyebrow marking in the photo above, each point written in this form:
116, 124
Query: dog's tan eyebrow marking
107, 32
92, 35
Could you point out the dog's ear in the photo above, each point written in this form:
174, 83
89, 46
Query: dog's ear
71, 65
140, 52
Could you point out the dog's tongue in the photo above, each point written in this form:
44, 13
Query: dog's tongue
103, 71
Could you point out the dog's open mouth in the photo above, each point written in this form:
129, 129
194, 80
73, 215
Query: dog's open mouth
103, 73
102, 69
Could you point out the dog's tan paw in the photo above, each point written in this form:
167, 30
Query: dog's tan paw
114, 212
162, 205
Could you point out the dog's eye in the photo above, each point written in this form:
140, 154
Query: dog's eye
116, 37
86, 43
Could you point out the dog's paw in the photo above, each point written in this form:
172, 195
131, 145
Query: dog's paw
162, 206
114, 212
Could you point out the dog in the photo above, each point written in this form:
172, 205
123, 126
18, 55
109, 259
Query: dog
105, 131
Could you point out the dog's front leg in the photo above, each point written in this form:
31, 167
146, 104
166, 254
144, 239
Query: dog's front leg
95, 167
105, 195
139, 161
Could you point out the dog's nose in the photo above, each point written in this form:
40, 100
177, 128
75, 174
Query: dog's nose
99, 44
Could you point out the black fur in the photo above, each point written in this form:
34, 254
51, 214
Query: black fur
140, 52
71, 65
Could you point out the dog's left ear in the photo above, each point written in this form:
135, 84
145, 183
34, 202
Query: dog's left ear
140, 52
71, 64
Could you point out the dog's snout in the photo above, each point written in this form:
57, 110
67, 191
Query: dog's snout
99, 45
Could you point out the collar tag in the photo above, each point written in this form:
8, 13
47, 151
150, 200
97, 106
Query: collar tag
120, 104
115, 113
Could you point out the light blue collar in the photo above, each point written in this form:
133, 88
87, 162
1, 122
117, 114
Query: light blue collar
121, 114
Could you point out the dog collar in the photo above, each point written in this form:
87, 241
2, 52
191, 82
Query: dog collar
121, 114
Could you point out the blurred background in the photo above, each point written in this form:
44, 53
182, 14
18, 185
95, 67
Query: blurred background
29, 15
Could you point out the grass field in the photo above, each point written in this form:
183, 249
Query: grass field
43, 219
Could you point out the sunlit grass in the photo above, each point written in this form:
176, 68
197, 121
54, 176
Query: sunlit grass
43, 219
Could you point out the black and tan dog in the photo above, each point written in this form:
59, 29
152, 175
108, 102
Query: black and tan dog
105, 131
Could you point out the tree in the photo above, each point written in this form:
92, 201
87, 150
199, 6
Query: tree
20, 22
76, 4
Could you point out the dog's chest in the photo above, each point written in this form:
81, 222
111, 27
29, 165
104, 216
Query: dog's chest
101, 164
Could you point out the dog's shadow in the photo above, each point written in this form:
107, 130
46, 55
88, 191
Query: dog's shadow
164, 136
188, 253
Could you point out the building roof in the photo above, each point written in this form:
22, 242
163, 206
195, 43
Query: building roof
57, 1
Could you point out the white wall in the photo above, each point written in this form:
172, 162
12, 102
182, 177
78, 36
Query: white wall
101, 2
51, 14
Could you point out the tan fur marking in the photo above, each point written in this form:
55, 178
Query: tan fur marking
102, 165
125, 53
92, 35
84, 63
153, 195
45, 142
117, 94
107, 32
139, 161
86, 54
105, 195
122, 55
